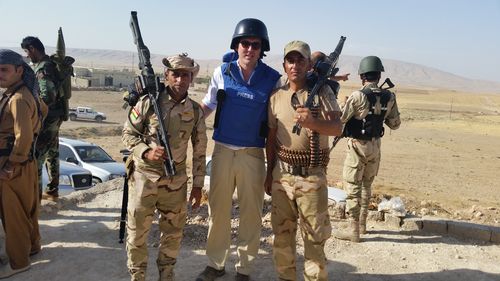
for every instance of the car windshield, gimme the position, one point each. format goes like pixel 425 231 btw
pixel 93 154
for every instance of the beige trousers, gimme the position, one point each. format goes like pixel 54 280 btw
pixel 244 170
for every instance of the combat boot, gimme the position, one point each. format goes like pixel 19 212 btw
pixel 241 277
pixel 362 222
pixel 51 195
pixel 349 234
pixel 210 274
pixel 167 275
pixel 365 202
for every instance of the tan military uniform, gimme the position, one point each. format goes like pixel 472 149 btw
pixel 299 197
pixel 363 156
pixel 150 190
pixel 19 122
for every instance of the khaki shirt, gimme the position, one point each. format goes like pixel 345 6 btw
pixel 281 114
pixel 19 122
pixel 358 106
pixel 139 135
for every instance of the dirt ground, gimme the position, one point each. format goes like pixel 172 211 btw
pixel 442 162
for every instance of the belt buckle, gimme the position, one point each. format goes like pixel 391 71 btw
pixel 299 171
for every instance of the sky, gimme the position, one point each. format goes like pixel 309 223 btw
pixel 457 36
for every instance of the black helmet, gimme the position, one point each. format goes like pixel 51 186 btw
pixel 251 28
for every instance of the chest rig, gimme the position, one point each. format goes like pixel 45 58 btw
pixel 372 126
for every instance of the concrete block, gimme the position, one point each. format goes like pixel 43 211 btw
pixel 412 224
pixel 495 234
pixel 435 226
pixel 375 216
pixel 462 229
pixel 392 221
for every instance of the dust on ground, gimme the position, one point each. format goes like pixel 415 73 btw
pixel 442 162
pixel 80 243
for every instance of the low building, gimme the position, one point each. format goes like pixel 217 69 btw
pixel 97 77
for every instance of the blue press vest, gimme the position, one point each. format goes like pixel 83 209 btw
pixel 243 116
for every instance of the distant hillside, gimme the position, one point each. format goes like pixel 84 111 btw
pixel 401 73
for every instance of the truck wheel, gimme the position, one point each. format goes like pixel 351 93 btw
pixel 95 181
pixel 98 118
pixel 72 117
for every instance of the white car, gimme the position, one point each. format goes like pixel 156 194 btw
pixel 91 157
pixel 71 178
pixel 88 113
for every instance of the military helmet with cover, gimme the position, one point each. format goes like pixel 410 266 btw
pixel 251 28
pixel 370 64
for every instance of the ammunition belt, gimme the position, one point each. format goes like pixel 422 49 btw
pixel 302 158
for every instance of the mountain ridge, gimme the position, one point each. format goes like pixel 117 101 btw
pixel 402 73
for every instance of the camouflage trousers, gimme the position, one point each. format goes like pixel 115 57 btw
pixel 47 152
pixel 145 197
pixel 304 198
pixel 360 168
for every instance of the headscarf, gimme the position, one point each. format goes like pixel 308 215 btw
pixel 29 79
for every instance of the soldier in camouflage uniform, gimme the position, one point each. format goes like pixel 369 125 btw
pixel 48 140
pixel 150 189
pixel 364 115
pixel 298 188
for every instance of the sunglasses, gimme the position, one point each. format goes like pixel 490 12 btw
pixel 246 44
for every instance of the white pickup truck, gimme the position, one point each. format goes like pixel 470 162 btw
pixel 82 112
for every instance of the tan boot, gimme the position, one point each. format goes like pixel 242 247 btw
pixel 365 202
pixel 349 234
pixel 362 222
pixel 167 275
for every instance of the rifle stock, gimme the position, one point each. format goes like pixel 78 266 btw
pixel 150 84
pixel 389 83
pixel 123 215
pixel 324 73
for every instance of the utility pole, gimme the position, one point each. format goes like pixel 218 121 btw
pixel 451 106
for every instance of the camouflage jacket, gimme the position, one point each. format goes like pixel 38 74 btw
pixel 139 135
pixel 46 74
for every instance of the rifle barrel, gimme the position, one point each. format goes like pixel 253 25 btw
pixel 150 84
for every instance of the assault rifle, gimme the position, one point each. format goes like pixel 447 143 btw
pixel 325 69
pixel 390 85
pixel 150 85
